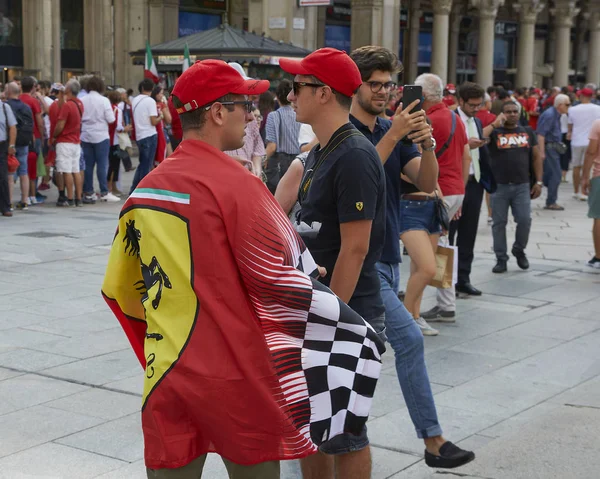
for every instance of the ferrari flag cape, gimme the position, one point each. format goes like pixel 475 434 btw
pixel 244 354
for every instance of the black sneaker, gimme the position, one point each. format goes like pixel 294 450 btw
pixel 594 263
pixel 522 260
pixel 451 456
pixel 437 315
pixel 89 199
pixel 78 203
pixel 71 202
pixel 500 267
pixel 22 206
pixel 62 202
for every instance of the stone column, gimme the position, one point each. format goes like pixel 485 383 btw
pixel 439 44
pixel 414 25
pixel 41 39
pixel 98 38
pixel 488 9
pixel 136 22
pixel 164 20
pixel 563 13
pixel 122 58
pixel 237 12
pixel 593 67
pixel 527 11
pixel 455 21
pixel 390 27
pixel 367 19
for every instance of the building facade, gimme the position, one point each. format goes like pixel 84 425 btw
pixel 527 42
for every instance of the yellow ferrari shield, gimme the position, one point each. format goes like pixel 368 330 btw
pixel 359 205
pixel 154 271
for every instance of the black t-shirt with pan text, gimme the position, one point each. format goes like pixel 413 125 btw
pixel 510 150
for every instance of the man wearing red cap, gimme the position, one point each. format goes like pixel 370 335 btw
pixel 450 99
pixel 581 117
pixel 342 219
pixel 532 107
pixel 244 353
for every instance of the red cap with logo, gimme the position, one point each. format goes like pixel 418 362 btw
pixel 451 88
pixel 331 66
pixel 208 80
pixel 586 92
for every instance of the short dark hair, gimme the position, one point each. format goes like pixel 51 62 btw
pixel 44 84
pixel 372 58
pixel 95 84
pixel 283 90
pixel 129 91
pixel 492 90
pixel 511 103
pixel 146 85
pixel 27 84
pixel 503 94
pixel 266 102
pixel 155 91
pixel 114 97
pixel 469 91
pixel 195 119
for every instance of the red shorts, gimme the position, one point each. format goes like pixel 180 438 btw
pixel 32 165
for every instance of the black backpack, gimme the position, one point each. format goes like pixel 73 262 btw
pixel 24 118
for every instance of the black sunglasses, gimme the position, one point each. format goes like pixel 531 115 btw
pixel 247 104
pixel 376 86
pixel 299 84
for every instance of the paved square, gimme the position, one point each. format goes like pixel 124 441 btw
pixel 517 378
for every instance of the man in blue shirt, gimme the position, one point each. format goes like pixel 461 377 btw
pixel 376 65
pixel 549 141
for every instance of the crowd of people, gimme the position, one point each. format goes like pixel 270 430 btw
pixel 355 170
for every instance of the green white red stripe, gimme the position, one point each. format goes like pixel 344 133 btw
pixel 186 58
pixel 150 70
pixel 161 195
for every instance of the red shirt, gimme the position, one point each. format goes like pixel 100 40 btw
pixel 35 109
pixel 449 100
pixel 532 106
pixel 69 113
pixel 451 178
pixel 175 121
pixel 486 117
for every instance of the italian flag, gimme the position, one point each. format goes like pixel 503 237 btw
pixel 150 70
pixel 186 58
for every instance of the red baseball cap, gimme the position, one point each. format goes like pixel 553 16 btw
pixel 331 66
pixel 208 80
pixel 586 92
pixel 451 88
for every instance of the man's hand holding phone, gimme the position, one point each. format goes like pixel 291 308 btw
pixel 403 122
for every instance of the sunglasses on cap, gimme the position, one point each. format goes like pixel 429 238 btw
pixel 248 105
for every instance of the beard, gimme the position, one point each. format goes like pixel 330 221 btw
pixel 370 108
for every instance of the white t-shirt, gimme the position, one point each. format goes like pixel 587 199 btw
pixel 306 134
pixel 48 102
pixel 143 107
pixel 581 117
pixel 97 114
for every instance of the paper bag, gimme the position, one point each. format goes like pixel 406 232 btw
pixel 445 267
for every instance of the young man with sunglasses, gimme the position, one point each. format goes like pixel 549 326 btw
pixel 377 65
pixel 214 294
pixel 342 219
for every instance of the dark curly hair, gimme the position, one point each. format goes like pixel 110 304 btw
pixel 372 58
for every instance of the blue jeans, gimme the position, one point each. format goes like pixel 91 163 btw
pixel 407 342
pixel 518 198
pixel 147 149
pixel 419 216
pixel 552 175
pixel 21 154
pixel 95 154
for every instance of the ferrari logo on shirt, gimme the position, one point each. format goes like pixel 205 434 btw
pixel 359 205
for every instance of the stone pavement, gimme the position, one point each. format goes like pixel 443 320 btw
pixel 517 378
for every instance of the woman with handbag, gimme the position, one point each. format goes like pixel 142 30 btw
pixel 421 218
pixel 115 153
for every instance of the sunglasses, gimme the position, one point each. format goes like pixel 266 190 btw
pixel 376 86
pixel 248 105
pixel 299 84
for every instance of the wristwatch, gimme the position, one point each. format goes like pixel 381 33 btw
pixel 433 145
pixel 11 146
pixel 539 183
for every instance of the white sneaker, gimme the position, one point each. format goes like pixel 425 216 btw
pixel 425 328
pixel 490 220
pixel 32 201
pixel 28 201
pixel 109 197
pixel 582 197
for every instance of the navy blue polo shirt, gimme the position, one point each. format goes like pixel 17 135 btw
pixel 401 155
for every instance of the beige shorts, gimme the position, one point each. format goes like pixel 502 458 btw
pixel 67 157
pixel 577 156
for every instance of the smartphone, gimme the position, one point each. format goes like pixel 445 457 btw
pixel 410 93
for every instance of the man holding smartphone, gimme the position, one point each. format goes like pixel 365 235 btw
pixel 377 65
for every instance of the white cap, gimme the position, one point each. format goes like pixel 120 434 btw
pixel 238 68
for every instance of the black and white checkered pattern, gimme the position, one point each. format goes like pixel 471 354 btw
pixel 341 360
